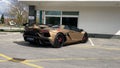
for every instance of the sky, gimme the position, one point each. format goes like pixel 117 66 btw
pixel 4 6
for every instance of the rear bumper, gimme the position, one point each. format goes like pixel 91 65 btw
pixel 36 39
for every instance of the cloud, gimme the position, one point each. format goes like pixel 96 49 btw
pixel 3 7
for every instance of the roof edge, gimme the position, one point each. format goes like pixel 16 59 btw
pixel 71 0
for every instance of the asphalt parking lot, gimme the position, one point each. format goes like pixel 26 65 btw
pixel 96 53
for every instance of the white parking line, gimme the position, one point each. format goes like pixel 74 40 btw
pixel 91 42
pixel 117 33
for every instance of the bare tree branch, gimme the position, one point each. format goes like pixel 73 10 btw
pixel 20 12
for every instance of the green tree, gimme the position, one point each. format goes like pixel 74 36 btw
pixel 2 18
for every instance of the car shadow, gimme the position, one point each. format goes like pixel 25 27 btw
pixel 27 44
pixel 71 44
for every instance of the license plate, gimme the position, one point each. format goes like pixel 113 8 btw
pixel 31 39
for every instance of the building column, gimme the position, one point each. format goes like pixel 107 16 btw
pixel 40 18
pixel 32 14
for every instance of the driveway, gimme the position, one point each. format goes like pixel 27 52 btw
pixel 96 53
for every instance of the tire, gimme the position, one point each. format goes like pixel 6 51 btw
pixel 85 38
pixel 59 40
pixel 31 42
pixel 25 39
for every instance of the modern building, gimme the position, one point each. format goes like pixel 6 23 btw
pixel 98 17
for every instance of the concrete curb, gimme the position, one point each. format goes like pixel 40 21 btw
pixel 107 36
pixel 11 30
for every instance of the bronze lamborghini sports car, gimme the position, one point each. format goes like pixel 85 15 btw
pixel 56 35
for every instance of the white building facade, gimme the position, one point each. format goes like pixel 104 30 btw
pixel 99 17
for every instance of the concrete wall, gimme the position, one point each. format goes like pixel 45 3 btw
pixel 101 20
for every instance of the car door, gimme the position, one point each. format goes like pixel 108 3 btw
pixel 75 34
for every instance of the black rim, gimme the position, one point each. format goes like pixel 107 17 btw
pixel 59 41
pixel 85 38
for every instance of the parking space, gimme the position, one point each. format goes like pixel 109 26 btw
pixel 96 53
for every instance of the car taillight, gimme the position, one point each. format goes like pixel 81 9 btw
pixel 43 31
pixel 58 29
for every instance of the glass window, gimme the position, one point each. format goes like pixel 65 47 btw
pixel 66 27
pixel 75 29
pixel 53 12
pixel 70 13
pixel 53 20
pixel 63 17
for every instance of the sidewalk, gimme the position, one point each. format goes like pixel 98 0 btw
pixel 11 28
